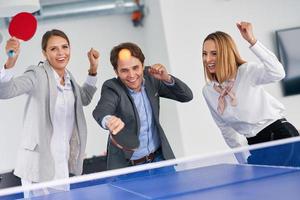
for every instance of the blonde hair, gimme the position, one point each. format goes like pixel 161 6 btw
pixel 228 57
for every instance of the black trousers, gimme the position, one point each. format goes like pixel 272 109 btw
pixel 279 129
pixel 280 155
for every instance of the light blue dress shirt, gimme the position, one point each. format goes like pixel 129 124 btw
pixel 148 136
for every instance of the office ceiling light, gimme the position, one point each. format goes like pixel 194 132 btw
pixel 9 8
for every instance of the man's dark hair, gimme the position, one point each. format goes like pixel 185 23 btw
pixel 133 48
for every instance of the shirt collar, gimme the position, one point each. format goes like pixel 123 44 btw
pixel 58 78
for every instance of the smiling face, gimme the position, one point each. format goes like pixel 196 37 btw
pixel 220 56
pixel 57 52
pixel 209 56
pixel 130 72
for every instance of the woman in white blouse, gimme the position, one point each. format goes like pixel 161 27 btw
pixel 54 128
pixel 234 91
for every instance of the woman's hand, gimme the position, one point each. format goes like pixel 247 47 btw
pixel 93 56
pixel 246 31
pixel 13 44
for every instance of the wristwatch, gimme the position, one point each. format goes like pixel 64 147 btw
pixel 92 74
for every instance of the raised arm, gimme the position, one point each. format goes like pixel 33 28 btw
pixel 14 45
pixel 88 90
pixel 246 31
pixel 270 69
pixel 170 87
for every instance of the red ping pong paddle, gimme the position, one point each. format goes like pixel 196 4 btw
pixel 22 26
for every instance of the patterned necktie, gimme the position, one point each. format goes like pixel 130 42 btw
pixel 224 91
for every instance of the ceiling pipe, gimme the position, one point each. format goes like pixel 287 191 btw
pixel 103 7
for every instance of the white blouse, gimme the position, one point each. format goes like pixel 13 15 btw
pixel 255 109
pixel 63 126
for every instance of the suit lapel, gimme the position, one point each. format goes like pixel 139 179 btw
pixel 52 89
pixel 152 95
pixel 76 93
pixel 125 89
pixel 75 89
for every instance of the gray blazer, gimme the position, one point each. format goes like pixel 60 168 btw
pixel 35 162
pixel 115 100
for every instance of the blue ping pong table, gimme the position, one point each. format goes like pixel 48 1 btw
pixel 223 181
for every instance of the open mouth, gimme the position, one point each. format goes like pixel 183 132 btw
pixel 211 66
pixel 132 82
pixel 62 59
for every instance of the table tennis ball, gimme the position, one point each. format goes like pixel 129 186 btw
pixel 124 54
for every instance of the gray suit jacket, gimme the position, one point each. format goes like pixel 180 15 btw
pixel 35 162
pixel 115 100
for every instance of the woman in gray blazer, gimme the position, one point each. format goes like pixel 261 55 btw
pixel 54 127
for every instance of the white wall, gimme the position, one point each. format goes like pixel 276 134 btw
pixel 186 23
pixel 172 35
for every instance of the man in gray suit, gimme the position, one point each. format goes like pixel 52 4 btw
pixel 129 108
